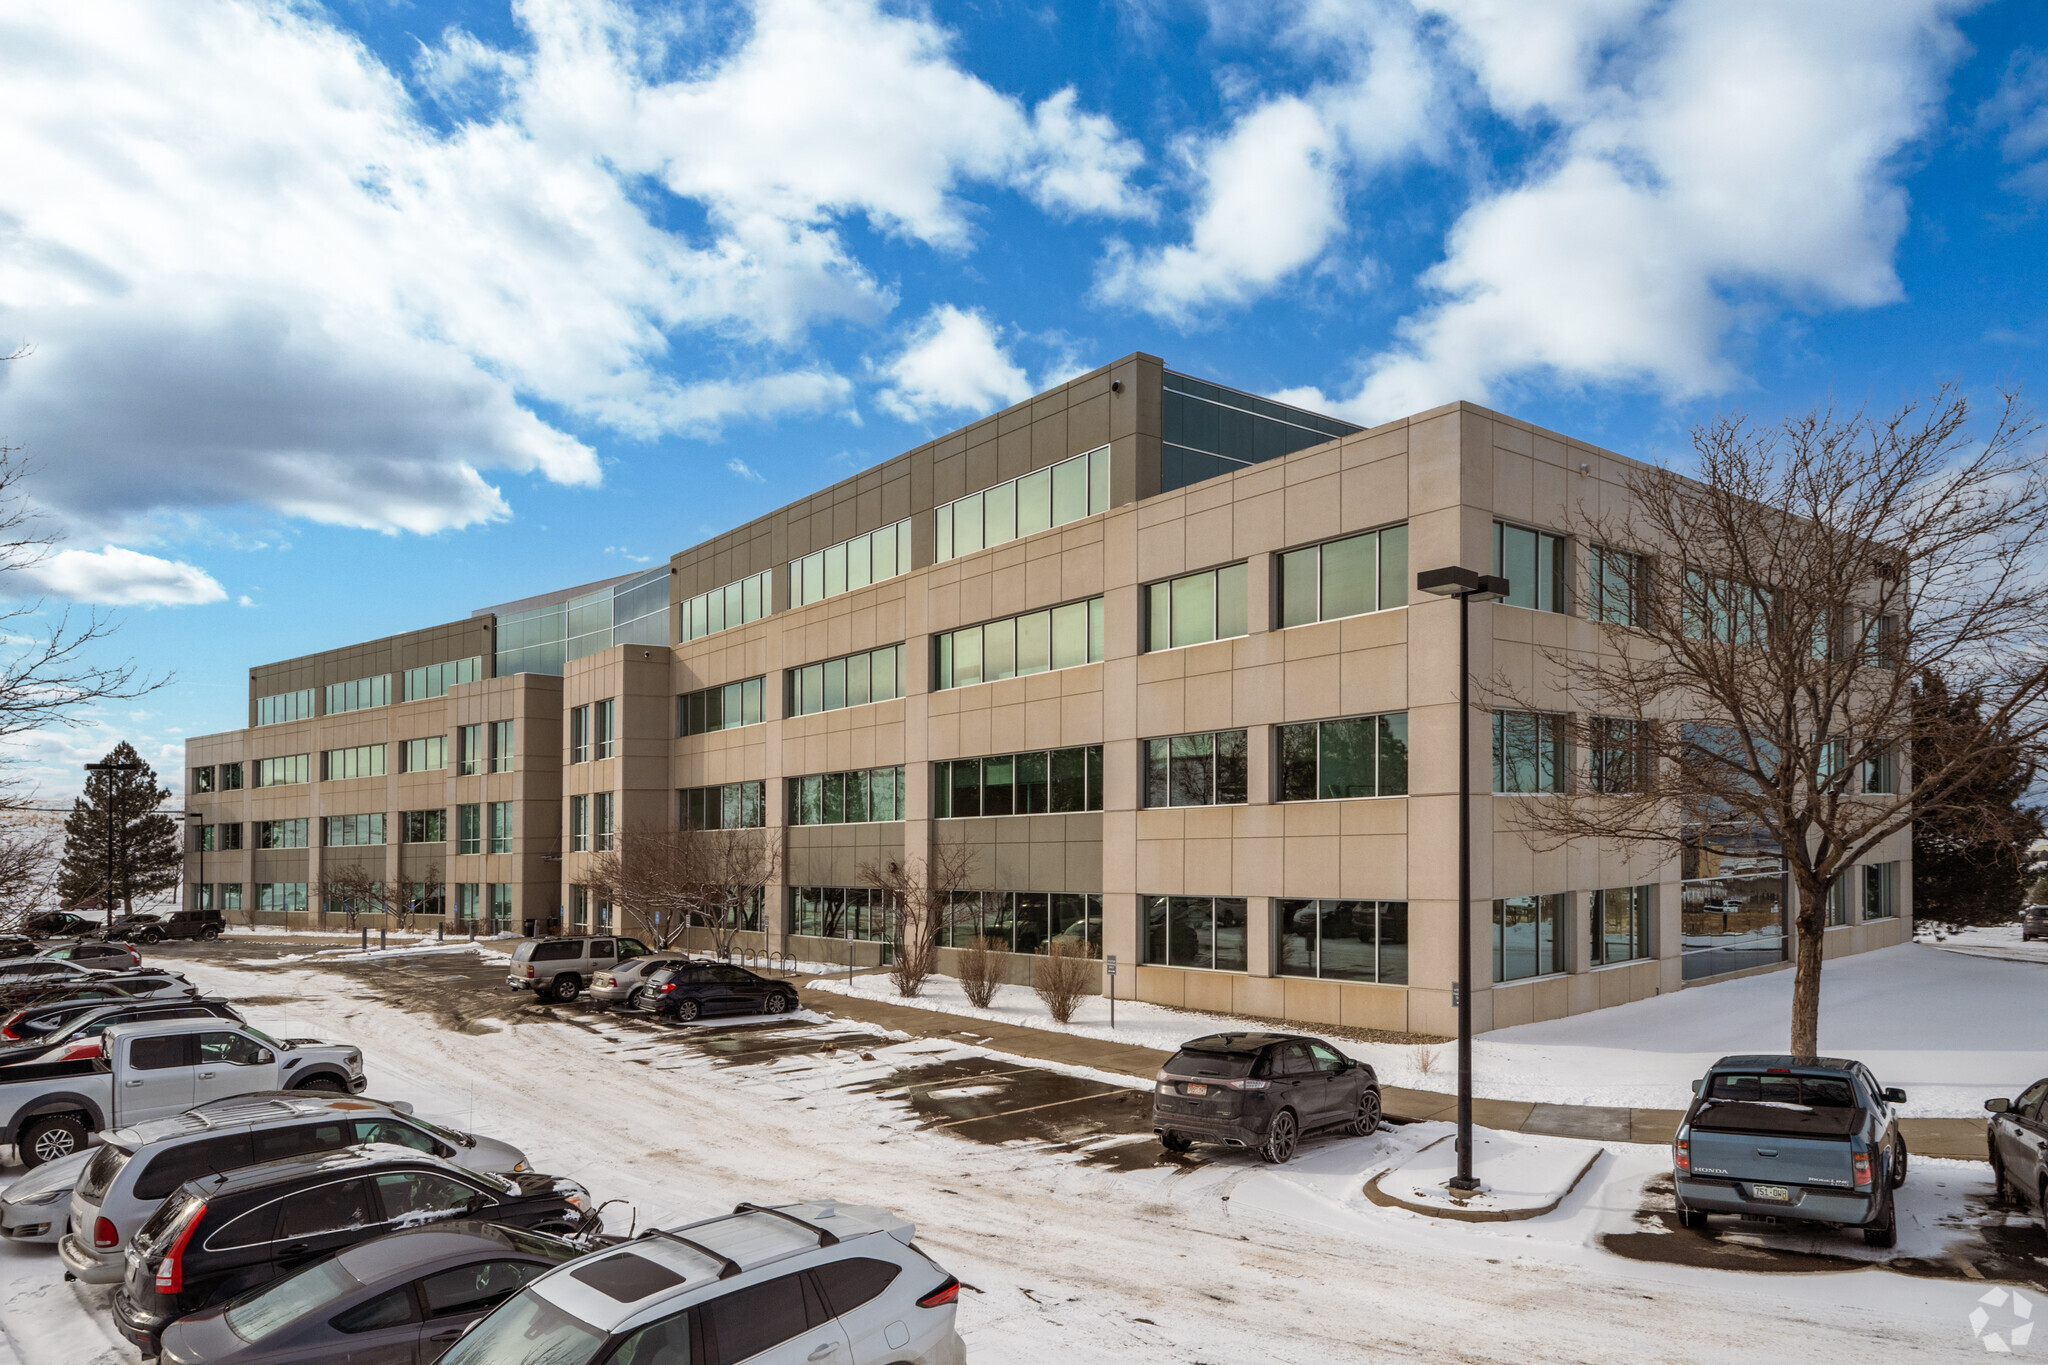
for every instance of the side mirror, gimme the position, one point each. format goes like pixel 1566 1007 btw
pixel 1998 1106
pixel 1894 1095
pixel 264 1056
pixel 1696 1086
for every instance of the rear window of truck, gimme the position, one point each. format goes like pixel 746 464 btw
pixel 1759 1102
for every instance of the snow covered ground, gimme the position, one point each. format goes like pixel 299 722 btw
pixel 1998 940
pixel 1950 1029
pixel 1108 1253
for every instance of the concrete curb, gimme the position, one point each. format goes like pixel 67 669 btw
pixel 1389 1201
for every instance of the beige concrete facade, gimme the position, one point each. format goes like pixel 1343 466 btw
pixel 1447 475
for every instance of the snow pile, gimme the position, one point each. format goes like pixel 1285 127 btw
pixel 1518 1176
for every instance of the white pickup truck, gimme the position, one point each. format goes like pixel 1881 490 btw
pixel 149 1070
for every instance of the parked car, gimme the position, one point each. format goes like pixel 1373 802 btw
pixel 822 1281
pixel 145 983
pixel 405 1296
pixel 17 945
pixel 2018 1138
pixel 216 1238
pixel 1812 1140
pixel 91 952
pixel 142 928
pixel 34 1033
pixel 623 984
pixel 2033 923
pixel 35 1204
pixel 1261 1092
pixel 691 989
pixel 557 968
pixel 152 1070
pixel 62 924
pixel 136 1169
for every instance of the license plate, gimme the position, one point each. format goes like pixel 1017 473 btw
pixel 1776 1193
pixel 1195 1088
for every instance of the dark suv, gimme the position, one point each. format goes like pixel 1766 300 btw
pixel 2033 923
pixel 223 1235
pixel 61 924
pixel 690 989
pixel 203 924
pixel 1261 1092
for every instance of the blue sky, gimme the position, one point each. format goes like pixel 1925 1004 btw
pixel 348 319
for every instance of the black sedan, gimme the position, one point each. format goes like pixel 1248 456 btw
pixel 1261 1092
pixel 61 924
pixel 17 945
pixel 217 1238
pixel 690 990
pixel 410 1291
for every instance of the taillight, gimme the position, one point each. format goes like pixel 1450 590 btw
pixel 103 1235
pixel 7 1029
pixel 1681 1154
pixel 84 1049
pixel 1862 1161
pixel 669 987
pixel 949 1292
pixel 170 1271
pixel 1247 1085
pixel 529 971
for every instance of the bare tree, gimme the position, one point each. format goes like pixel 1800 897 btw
pixel 354 891
pixel 921 897
pixel 664 883
pixel 1762 627
pixel 738 864
pixel 28 866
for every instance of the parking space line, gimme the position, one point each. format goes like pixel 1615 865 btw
pixel 1030 1108
pixel 962 1080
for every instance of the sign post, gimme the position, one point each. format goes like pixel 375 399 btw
pixel 1109 966
pixel 849 952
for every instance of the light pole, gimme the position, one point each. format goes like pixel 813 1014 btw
pixel 199 839
pixel 1468 586
pixel 131 766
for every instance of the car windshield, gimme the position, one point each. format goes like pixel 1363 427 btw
pixel 260 1036
pixel 447 1135
pixel 1759 1102
pixel 527 1330
pixel 1194 1062
pixel 278 1305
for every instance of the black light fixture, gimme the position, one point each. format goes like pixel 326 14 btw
pixel 131 766
pixel 1468 586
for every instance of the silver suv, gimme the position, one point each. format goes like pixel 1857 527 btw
pixel 558 968
pixel 818 1282
pixel 135 1169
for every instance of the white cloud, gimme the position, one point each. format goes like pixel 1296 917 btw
pixel 2019 110
pixel 741 469
pixel 953 361
pixel 119 577
pixel 257 271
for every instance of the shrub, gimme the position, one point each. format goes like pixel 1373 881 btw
pixel 980 972
pixel 1062 978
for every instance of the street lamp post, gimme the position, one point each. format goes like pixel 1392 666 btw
pixel 1468 586
pixel 132 766
pixel 199 840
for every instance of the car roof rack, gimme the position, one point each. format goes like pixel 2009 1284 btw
pixel 728 1267
pixel 826 1237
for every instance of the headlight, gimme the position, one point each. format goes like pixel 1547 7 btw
pixel 36 1201
pixel 521 1166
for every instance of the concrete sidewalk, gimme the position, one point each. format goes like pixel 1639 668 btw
pixel 1958 1138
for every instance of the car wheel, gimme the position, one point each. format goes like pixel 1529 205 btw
pixel 565 987
pixel 1176 1142
pixel 638 999
pixel 1899 1156
pixel 1884 1233
pixel 1691 1218
pixel 1368 1121
pixel 2001 1192
pixel 326 1085
pixel 778 1003
pixel 687 1011
pixel 150 937
pixel 1281 1138
pixel 209 933
pixel 49 1139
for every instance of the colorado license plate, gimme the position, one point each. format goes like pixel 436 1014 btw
pixel 1776 1193
pixel 1195 1088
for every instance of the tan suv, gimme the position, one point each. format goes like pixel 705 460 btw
pixel 557 968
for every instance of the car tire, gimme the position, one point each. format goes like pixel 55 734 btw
pixel 778 1003
pixel 325 1085
pixel 149 938
pixel 49 1139
pixel 1884 1233
pixel 1691 1218
pixel 1899 1160
pixel 638 999
pixel 1369 1114
pixel 209 933
pixel 687 1011
pixel 1281 1139
pixel 564 987
pixel 1176 1142
pixel 2001 1191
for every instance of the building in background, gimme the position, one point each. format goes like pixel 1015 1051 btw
pixel 1147 645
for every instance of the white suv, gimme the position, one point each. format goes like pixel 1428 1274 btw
pixel 822 1283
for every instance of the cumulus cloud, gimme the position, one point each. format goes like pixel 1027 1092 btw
pixel 2019 113
pixel 260 267
pixel 118 577
pixel 953 361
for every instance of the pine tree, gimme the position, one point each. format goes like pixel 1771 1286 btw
pixel 1972 857
pixel 145 853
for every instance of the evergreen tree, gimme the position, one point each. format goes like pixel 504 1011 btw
pixel 1972 856
pixel 144 857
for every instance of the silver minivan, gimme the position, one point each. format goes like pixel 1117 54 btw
pixel 136 1168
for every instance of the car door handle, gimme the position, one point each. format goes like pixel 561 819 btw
pixel 451 1334
pixel 136 1082
pixel 292 1249
pixel 1767 1151
pixel 207 1075
pixel 827 1349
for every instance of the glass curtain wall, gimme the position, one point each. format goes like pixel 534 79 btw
pixel 1211 430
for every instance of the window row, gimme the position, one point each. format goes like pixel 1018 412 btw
pixel 359 694
pixel 851 564
pixel 850 798
pixel 1038 501
pixel 222 777
pixel 281 833
pixel 1330 940
pixel 285 771
pixel 1025 921
pixel 343 831
pixel 735 604
pixel 1334 760
pixel 478 747
pixel 1532 754
pixel 217 896
pixel 220 838
pixel 1347 577
pixel 1043 782
pixel 1036 642
pixel 280 897
pixel 722 708
pixel 361 760
pixel 735 805
pixel 476 902
pixel 860 912
pixel 593 731
pixel 472 821
pixel 1531 934
pixel 285 706
pixel 855 680
pixel 1196 608
pixel 590 823
pixel 1210 769
pixel 1874 886
pixel 427 754
pixel 434 680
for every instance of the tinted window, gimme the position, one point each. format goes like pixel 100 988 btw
pixel 849 1284
pixel 660 1343
pixel 748 1321
pixel 419 1195
pixel 100 1172
pixel 335 1207
pixel 602 948
pixel 253 1229
pixel 1762 1103
pixel 734 975
pixel 208 1156
pixel 1293 1058
pixel 390 1130
pixel 557 952
pixel 1326 1057
pixel 473 1288
pixel 1225 1064
pixel 2031 1100
pixel 298 1140
pixel 393 1309
pixel 228 1049
pixel 281 1304
pixel 159 1054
